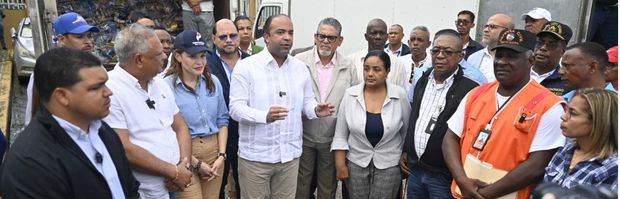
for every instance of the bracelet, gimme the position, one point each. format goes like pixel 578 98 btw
pixel 177 173
pixel 197 167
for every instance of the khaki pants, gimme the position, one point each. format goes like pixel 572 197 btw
pixel 205 149
pixel 316 155
pixel 264 180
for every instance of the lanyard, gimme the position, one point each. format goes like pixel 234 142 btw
pixel 499 109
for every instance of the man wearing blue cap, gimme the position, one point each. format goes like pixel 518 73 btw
pixel 71 31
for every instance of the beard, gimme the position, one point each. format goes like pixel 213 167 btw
pixel 325 53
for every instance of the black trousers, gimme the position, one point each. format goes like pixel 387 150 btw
pixel 232 146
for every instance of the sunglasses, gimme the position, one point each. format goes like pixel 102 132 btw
pixel 461 22
pixel 232 36
pixel 445 52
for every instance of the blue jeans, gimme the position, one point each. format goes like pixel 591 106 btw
pixel 423 184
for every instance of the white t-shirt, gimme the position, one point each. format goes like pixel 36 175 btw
pixel 539 78
pixel 548 134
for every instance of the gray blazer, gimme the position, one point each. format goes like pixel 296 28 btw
pixel 350 128
pixel 321 130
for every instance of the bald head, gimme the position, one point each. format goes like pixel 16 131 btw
pixel 376 34
pixel 378 23
pixel 146 22
pixel 223 23
pixel 494 26
pixel 226 37
pixel 504 20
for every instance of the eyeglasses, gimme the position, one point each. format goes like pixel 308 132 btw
pixel 570 112
pixel 232 36
pixel 322 37
pixel 550 44
pixel 461 22
pixel 493 26
pixel 446 52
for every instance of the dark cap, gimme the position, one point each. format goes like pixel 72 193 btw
pixel 517 40
pixel 190 42
pixel 557 29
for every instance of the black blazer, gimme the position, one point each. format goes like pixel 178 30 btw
pixel 405 50
pixel 44 162
pixel 217 69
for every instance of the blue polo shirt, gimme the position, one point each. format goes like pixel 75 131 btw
pixel 568 96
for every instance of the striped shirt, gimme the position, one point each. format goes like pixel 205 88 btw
pixel 596 171
pixel 433 102
pixel 258 83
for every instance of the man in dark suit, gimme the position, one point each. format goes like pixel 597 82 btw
pixel 222 62
pixel 67 151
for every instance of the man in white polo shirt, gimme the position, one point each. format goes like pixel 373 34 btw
pixel 144 114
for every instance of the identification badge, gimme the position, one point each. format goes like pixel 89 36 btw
pixel 431 125
pixel 482 139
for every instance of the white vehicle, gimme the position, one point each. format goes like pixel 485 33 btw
pixel 23 48
pixel 434 14
pixel 355 15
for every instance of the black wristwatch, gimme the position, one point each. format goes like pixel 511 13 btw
pixel 222 155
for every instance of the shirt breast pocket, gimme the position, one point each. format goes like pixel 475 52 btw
pixel 524 120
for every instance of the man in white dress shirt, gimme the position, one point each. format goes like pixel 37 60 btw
pixel 376 36
pixel 269 92
pixel 483 59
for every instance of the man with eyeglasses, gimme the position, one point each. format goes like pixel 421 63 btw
pixel 550 45
pixel 395 45
pixel 376 36
pixel 503 134
pixel 464 23
pixel 326 65
pixel 71 30
pixel 222 62
pixel 483 59
pixel 438 94
pixel 535 19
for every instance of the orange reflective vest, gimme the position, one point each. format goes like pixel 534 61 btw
pixel 512 130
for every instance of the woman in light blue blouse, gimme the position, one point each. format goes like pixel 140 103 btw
pixel 199 96
pixel 590 156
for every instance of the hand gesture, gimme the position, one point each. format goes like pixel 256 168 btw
pixel 277 113
pixel 324 109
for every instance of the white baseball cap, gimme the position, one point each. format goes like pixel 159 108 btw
pixel 538 13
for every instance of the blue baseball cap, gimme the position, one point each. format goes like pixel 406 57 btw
pixel 190 42
pixel 72 23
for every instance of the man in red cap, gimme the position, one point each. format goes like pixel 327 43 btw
pixel 611 74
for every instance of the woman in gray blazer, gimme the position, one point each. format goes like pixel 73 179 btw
pixel 370 131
